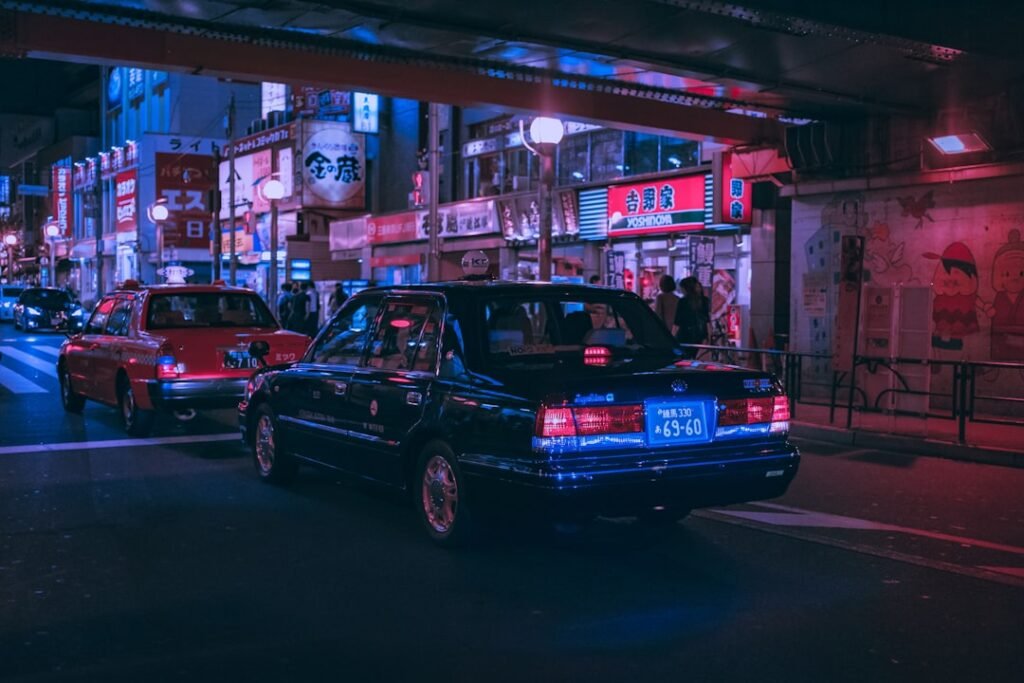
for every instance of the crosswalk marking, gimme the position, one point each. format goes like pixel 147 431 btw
pixel 17 384
pixel 39 364
pixel 48 350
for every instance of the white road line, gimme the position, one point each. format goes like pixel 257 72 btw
pixel 117 443
pixel 17 384
pixel 808 518
pixel 48 350
pixel 44 366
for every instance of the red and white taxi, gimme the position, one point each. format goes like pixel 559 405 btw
pixel 170 347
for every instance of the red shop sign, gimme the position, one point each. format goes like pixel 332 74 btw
pixel 125 201
pixel 656 206
pixel 399 227
pixel 733 196
pixel 185 181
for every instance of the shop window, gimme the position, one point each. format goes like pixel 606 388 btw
pixel 574 160
pixel 641 153
pixel 606 155
pixel 677 153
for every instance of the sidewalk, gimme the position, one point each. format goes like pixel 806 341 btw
pixel 986 443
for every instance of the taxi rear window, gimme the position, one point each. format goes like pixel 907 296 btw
pixel 207 309
pixel 532 329
pixel 44 297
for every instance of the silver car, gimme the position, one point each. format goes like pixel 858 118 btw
pixel 8 297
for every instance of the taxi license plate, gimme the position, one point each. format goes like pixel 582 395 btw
pixel 238 360
pixel 677 422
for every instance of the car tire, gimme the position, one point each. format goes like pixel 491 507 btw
pixel 135 421
pixel 439 492
pixel 72 401
pixel 662 517
pixel 273 464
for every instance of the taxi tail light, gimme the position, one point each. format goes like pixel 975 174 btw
pixel 609 420
pixel 749 411
pixel 597 355
pixel 166 364
pixel 555 421
pixel 780 410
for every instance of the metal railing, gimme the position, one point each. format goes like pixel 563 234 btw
pixel 918 387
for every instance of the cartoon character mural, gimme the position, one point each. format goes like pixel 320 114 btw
pixel 884 262
pixel 1007 310
pixel 955 285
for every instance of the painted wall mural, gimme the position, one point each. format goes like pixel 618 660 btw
pixel 962 241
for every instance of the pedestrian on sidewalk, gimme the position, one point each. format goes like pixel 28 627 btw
pixel 297 309
pixel 693 316
pixel 666 302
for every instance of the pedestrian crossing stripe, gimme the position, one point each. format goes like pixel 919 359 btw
pixel 17 384
pixel 16 379
pixel 45 366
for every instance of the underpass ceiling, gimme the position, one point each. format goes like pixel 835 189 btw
pixel 782 57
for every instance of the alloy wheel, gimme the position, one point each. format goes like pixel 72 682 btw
pixel 440 494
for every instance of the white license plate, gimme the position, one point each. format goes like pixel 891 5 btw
pixel 673 422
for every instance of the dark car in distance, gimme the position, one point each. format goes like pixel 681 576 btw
pixel 47 308
pixel 549 398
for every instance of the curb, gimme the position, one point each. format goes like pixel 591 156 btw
pixel 907 444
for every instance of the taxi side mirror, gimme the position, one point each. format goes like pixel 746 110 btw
pixel 259 350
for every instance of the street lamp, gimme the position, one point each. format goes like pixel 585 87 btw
pixel 158 213
pixel 273 190
pixel 546 133
pixel 10 241
pixel 52 232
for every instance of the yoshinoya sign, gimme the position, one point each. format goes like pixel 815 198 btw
pixel 733 196
pixel 656 206
pixel 333 166
pixel 125 201
pixel 62 206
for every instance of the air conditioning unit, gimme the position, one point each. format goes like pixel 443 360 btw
pixel 828 148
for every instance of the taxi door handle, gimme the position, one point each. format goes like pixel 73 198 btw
pixel 340 388
pixel 414 398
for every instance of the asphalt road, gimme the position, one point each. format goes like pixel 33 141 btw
pixel 168 560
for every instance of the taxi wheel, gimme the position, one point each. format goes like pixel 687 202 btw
pixel 136 421
pixel 72 401
pixel 272 465
pixel 440 493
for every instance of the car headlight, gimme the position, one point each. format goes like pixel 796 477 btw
pixel 7 304
pixel 77 313
pixel 32 310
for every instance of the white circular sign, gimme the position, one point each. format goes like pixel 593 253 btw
pixel 333 166
pixel 475 263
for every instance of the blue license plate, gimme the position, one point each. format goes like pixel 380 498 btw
pixel 677 422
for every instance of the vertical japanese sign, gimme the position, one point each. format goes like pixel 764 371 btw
pixel 658 206
pixel 62 206
pixel 702 261
pixel 733 203
pixel 136 84
pixel 185 181
pixel 333 166
pixel 261 170
pixel 615 269
pixel 851 276
pixel 125 201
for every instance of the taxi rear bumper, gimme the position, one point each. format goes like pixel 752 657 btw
pixel 180 394
pixel 624 486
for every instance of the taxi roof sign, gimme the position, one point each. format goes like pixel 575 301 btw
pixel 475 263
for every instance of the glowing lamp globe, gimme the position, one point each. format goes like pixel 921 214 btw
pixel 10 239
pixel 546 131
pixel 52 230
pixel 159 212
pixel 273 189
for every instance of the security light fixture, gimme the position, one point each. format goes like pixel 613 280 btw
pixel 959 143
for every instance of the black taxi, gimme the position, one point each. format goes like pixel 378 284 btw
pixel 520 396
